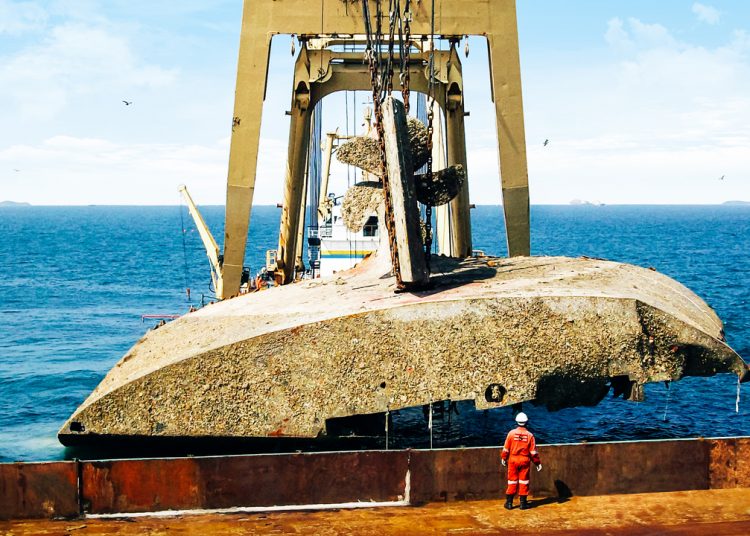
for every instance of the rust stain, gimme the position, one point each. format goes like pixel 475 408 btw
pixel 451 475
pixel 686 513
pixel 32 490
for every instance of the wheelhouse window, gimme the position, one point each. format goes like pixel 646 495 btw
pixel 371 227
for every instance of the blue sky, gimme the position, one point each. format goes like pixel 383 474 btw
pixel 642 101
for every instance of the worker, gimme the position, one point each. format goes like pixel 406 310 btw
pixel 518 453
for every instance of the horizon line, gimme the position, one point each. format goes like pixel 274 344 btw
pixel 23 204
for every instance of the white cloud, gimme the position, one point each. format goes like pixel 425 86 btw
pixel 614 171
pixel 635 33
pixel 616 35
pixel 707 14
pixel 654 35
pixel 19 17
pixel 96 171
pixel 657 121
pixel 73 60
pixel 654 118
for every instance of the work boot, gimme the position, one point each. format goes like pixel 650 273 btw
pixel 524 503
pixel 509 502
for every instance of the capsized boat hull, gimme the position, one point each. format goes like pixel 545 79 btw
pixel 280 363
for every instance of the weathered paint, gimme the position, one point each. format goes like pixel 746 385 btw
pixel 583 469
pixel 729 463
pixel 230 481
pixel 693 513
pixel 626 467
pixel 141 485
pixel 455 474
pixel 326 478
pixel 129 486
pixel 36 490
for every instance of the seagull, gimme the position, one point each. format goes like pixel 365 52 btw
pixel 722 177
pixel 127 103
pixel 546 142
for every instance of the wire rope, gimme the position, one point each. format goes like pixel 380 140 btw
pixel 186 268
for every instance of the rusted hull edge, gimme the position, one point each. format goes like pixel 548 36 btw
pixel 67 489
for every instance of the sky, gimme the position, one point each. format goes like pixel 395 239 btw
pixel 642 102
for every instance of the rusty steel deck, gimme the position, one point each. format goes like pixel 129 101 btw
pixel 337 479
pixel 715 512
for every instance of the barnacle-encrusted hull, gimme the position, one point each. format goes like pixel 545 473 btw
pixel 554 330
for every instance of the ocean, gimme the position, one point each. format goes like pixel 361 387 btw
pixel 75 282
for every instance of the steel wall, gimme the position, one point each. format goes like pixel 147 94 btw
pixel 127 486
pixel 628 467
pixel 228 481
pixel 729 465
pixel 38 490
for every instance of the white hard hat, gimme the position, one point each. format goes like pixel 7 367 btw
pixel 522 418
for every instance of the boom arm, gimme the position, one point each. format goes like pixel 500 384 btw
pixel 327 152
pixel 212 249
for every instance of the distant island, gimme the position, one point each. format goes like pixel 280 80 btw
pixel 587 203
pixel 736 203
pixel 13 204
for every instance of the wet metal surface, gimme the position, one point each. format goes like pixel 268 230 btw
pixel 225 482
pixel 434 476
pixel 416 477
pixel 627 467
pixel 716 512
pixel 730 463
pixel 30 490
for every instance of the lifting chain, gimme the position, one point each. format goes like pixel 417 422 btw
pixel 372 56
pixel 406 56
pixel 430 131
pixel 381 79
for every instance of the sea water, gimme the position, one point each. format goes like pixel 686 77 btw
pixel 76 281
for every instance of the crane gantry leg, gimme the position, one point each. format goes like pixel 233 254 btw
pixel 511 136
pixel 252 69
pixel 311 19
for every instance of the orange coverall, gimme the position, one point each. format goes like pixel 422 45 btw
pixel 519 451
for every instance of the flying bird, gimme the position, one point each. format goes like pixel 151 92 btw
pixel 722 177
pixel 546 142
pixel 127 103
pixel 16 170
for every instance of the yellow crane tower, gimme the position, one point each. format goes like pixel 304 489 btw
pixel 321 69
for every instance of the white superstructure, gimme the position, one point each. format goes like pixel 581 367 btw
pixel 341 249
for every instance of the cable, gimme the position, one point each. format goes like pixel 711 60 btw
pixel 184 252
pixel 429 423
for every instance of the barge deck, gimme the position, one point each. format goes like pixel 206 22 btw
pixel 717 512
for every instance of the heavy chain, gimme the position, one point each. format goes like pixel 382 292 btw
pixel 430 130
pixel 428 208
pixel 393 18
pixel 372 55
pixel 406 56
